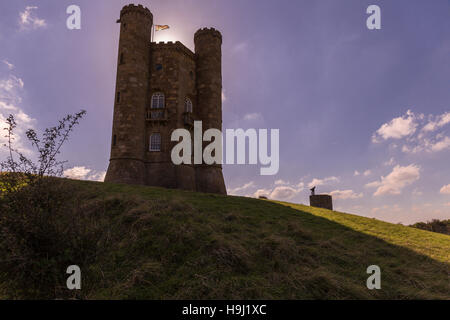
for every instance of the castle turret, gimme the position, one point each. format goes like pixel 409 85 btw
pixel 208 43
pixel 128 145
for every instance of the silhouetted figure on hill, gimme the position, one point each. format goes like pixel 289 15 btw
pixel 313 191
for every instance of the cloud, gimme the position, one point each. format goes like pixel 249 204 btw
pixel 367 173
pixel 83 173
pixel 240 48
pixel 374 184
pixel 29 20
pixel 394 182
pixel 437 122
pixel 224 97
pixel 262 193
pixel 390 162
pixel 441 145
pixel 405 128
pixel 356 173
pixel 281 182
pixel 237 190
pixel 280 192
pixel 320 182
pixel 445 189
pixel 253 116
pixel 430 145
pixel 8 64
pixel 397 128
pixel 283 193
pixel 11 89
pixel 346 194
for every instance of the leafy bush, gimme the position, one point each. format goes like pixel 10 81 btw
pixel 434 225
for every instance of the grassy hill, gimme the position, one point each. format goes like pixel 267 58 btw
pixel 155 243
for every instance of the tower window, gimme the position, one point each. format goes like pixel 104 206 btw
pixel 155 142
pixel 188 105
pixel 114 140
pixel 118 96
pixel 158 100
pixel 121 60
pixel 158 67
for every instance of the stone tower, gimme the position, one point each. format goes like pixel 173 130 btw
pixel 161 87
pixel 127 162
pixel 208 43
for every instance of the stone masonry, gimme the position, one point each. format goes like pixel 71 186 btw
pixel 172 70
pixel 321 201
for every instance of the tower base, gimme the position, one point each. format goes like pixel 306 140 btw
pixel 209 179
pixel 126 171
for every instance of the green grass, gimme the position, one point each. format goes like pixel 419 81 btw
pixel 171 244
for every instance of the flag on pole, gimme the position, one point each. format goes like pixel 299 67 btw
pixel 159 27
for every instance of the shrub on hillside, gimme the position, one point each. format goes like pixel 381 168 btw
pixel 434 225
pixel 43 229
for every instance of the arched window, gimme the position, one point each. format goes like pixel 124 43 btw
pixel 114 142
pixel 155 142
pixel 158 100
pixel 121 60
pixel 188 105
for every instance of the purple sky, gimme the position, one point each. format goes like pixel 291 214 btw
pixel 363 114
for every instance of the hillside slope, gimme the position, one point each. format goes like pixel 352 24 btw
pixel 171 244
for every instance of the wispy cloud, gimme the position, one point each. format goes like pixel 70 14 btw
pixel 346 194
pixel 395 181
pixel 445 189
pixel 11 89
pixel 29 20
pixel 320 182
pixel 416 132
pixel 83 173
pixel 224 97
pixel 367 173
pixel 239 189
pixel 390 162
pixel 282 193
pixel 240 48
pixel 435 123
pixel 8 64
pixel 253 116
pixel 281 190
pixel 397 128
pixel 281 182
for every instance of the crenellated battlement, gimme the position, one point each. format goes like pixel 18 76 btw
pixel 135 9
pixel 208 31
pixel 175 46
